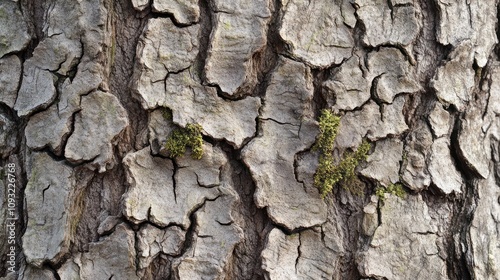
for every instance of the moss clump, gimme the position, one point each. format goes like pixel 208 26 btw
pixel 328 173
pixel 394 189
pixel 329 127
pixel 181 138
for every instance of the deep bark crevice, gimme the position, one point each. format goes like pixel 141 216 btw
pixel 459 262
pixel 319 101
pixel 246 262
pixel 127 30
pixel 206 27
pixel 160 268
pixel 350 215
pixel 433 54
pixel 101 198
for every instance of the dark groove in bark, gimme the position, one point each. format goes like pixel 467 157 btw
pixel 102 198
pixel 65 137
pixel 136 248
pixel 460 263
pixel 319 101
pixel 34 13
pixel 206 29
pixel 159 268
pixel 432 52
pixel 127 30
pixel 496 50
pixel 53 270
pixel 174 181
pixel 267 59
pixel 246 261
pixel 153 14
pixel 350 210
pixel 86 230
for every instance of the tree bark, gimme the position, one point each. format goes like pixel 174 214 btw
pixel 94 95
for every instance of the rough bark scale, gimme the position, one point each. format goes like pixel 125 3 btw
pixel 84 91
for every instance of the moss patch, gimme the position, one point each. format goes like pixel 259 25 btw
pixel 329 127
pixel 181 138
pixel 394 189
pixel 328 173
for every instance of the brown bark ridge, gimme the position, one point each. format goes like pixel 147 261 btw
pixel 91 91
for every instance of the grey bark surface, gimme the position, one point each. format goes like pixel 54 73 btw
pixel 90 91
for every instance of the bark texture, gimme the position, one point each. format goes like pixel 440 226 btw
pixel 90 91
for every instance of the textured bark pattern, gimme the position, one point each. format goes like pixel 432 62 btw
pixel 91 89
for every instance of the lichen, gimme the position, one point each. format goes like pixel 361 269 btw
pixel 181 138
pixel 328 173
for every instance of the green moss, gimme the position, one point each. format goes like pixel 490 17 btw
pixel 329 127
pixel 397 190
pixel 394 189
pixel 181 138
pixel 380 193
pixel 405 157
pixel 328 173
pixel 167 114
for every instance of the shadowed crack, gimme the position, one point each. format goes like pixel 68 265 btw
pixel 299 254
pixel 43 193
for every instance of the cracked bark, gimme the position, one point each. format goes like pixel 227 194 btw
pixel 420 79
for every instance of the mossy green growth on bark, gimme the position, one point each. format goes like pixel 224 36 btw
pixel 328 173
pixel 181 138
pixel 394 189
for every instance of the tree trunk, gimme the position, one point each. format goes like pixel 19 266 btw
pixel 106 105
